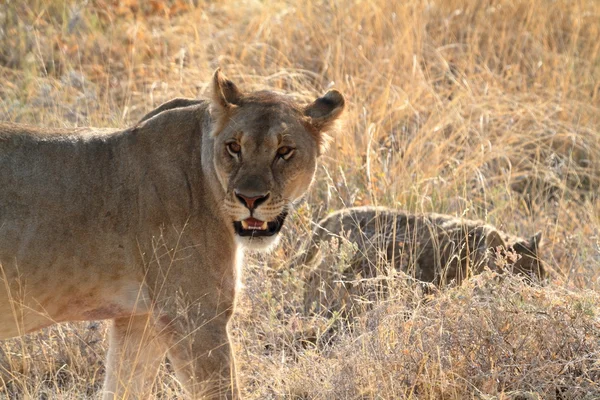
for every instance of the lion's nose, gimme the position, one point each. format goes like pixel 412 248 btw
pixel 251 202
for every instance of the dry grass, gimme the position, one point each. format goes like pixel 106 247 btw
pixel 487 109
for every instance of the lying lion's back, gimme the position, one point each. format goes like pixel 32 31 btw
pixel 426 241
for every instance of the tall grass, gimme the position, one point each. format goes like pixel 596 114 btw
pixel 487 109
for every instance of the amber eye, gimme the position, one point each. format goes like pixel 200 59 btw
pixel 285 152
pixel 234 148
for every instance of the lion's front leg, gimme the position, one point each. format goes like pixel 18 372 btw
pixel 134 356
pixel 193 301
pixel 201 354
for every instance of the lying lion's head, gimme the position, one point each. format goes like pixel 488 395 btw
pixel 265 154
pixel 528 261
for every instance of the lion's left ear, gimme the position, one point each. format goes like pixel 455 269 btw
pixel 324 111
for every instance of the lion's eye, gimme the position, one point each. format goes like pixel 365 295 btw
pixel 234 148
pixel 285 152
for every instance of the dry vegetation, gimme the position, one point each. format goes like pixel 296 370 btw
pixel 487 109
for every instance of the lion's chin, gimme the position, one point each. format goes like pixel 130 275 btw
pixel 258 244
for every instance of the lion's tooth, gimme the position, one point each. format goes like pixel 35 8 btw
pixel 244 224
pixel 264 226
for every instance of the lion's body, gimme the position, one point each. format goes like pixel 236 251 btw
pixel 138 226
pixel 361 243
pixel 79 210
pixel 90 223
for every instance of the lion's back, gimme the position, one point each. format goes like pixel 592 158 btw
pixel 364 242
pixel 60 219
pixel 55 184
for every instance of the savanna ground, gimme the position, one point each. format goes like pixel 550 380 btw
pixel 485 109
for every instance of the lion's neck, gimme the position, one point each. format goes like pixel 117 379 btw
pixel 178 179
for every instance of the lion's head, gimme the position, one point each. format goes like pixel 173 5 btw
pixel 265 154
pixel 528 262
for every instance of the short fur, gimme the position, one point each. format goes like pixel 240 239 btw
pixel 429 247
pixel 138 226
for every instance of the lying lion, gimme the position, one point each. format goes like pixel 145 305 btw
pixel 145 226
pixel 351 247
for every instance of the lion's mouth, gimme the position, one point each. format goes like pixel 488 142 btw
pixel 255 227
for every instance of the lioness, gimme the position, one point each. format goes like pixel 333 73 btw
pixel 146 226
pixel 429 247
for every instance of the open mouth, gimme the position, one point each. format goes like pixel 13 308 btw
pixel 255 227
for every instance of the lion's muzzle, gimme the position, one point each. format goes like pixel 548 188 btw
pixel 252 227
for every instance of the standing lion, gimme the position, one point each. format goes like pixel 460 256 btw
pixel 146 226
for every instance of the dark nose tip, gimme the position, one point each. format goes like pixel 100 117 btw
pixel 252 201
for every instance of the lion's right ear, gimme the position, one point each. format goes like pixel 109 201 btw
pixel 224 92
pixel 225 97
pixel 493 240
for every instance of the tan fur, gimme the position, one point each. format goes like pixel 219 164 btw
pixel 138 226
pixel 351 246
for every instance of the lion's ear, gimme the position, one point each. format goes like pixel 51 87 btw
pixel 493 240
pixel 324 111
pixel 225 93
pixel 535 241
